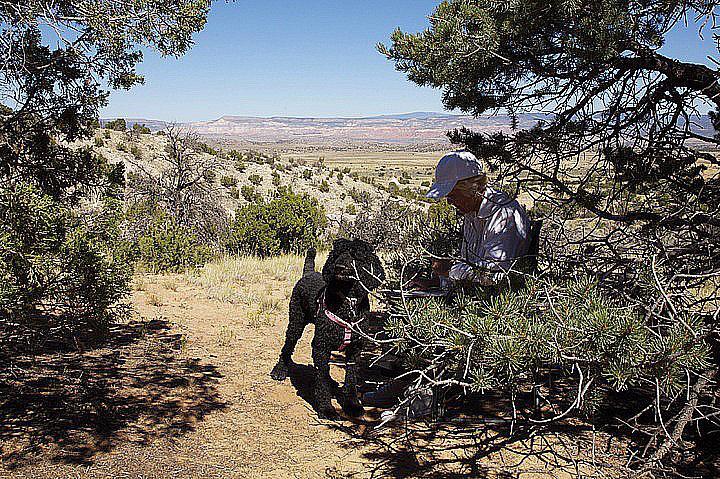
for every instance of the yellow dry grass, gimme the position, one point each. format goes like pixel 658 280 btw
pixel 236 278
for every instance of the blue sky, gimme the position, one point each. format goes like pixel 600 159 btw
pixel 300 58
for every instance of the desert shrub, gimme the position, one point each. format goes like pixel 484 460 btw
pixel 234 155
pixel 346 170
pixel 168 246
pixel 205 148
pixel 340 177
pixel 275 179
pixel 350 209
pixel 359 196
pixel 259 157
pixel 288 223
pixel 209 175
pixel 122 147
pixel 228 181
pixel 324 186
pixel 99 142
pixel 307 174
pixel 57 265
pixel 250 194
pixel 135 152
pixel 234 192
pixel 106 134
pixel 255 179
pixel 141 129
pixel 118 124
pixel 425 184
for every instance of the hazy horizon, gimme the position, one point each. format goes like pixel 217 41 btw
pixel 303 60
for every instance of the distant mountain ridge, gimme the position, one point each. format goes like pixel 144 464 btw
pixel 405 128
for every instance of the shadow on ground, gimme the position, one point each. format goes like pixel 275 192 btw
pixel 133 388
pixel 473 439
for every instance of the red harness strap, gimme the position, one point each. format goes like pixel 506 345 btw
pixel 322 308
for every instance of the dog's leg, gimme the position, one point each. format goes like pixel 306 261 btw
pixel 296 326
pixel 351 404
pixel 323 394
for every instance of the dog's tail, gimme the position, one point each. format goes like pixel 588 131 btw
pixel 309 266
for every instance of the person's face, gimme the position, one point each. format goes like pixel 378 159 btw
pixel 462 200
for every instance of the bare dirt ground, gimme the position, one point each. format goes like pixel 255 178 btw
pixel 182 391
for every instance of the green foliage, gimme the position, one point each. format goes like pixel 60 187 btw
pixel 168 246
pixel 228 181
pixel 59 260
pixel 99 142
pixel 324 186
pixel 287 223
pixel 209 175
pixel 57 264
pixel 117 124
pixel 255 179
pixel 107 135
pixel 340 177
pixel 141 129
pixel 234 192
pixel 250 194
pixel 275 179
pixel 307 174
pixel 562 325
pixel 350 209
pixel 135 152
pixel 205 148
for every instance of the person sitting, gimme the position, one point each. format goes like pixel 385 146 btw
pixel 495 227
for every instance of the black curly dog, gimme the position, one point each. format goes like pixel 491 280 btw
pixel 351 270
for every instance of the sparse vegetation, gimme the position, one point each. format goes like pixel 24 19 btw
pixel 250 194
pixel 118 124
pixel 228 181
pixel 139 129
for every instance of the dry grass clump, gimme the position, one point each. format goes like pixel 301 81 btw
pixel 248 279
pixel 154 300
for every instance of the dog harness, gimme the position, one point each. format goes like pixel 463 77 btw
pixel 322 308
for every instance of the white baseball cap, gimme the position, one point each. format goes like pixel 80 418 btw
pixel 452 168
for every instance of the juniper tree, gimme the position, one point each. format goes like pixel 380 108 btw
pixel 56 55
pixel 616 166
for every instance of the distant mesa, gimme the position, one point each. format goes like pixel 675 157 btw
pixel 406 128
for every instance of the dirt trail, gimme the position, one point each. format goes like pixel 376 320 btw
pixel 184 393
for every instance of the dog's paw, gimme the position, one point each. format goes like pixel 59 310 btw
pixel 353 409
pixel 279 372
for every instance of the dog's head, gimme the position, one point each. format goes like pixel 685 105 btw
pixel 352 261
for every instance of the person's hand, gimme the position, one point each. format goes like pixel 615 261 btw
pixel 424 284
pixel 441 267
